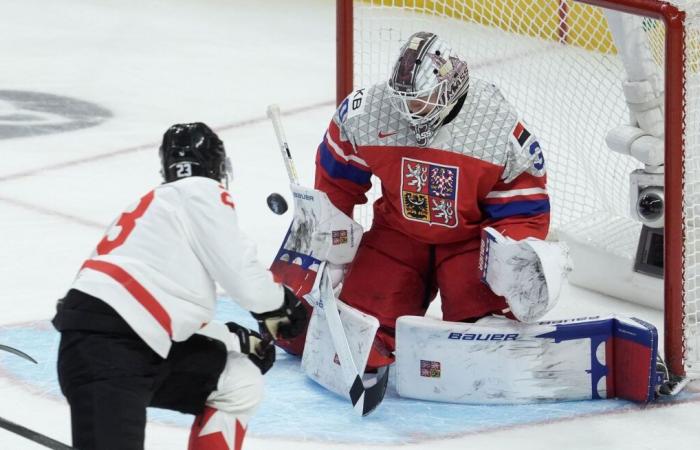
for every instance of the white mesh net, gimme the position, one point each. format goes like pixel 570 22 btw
pixel 557 63
pixel 691 189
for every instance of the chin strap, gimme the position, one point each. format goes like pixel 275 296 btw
pixel 424 133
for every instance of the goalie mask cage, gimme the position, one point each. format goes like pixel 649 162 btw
pixel 556 61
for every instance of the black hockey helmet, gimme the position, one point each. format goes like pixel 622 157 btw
pixel 193 149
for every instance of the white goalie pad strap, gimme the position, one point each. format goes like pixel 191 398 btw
pixel 528 273
pixel 320 362
pixel 320 230
pixel 501 361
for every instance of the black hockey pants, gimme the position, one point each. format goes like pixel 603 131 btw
pixel 109 377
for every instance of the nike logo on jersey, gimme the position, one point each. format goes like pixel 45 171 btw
pixel 382 134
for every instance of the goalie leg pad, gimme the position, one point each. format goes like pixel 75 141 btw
pixel 320 361
pixel 500 361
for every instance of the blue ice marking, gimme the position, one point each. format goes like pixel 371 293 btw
pixel 297 408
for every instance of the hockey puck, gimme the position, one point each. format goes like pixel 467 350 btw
pixel 277 203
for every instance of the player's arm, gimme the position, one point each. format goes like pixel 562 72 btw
pixel 231 259
pixel 515 260
pixel 518 206
pixel 340 171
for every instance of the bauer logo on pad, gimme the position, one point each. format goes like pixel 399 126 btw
pixel 429 192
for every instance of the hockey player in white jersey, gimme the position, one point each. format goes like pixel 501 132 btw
pixel 136 326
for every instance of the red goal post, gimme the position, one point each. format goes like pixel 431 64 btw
pixel 554 34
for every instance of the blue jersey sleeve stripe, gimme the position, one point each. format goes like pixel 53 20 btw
pixel 522 208
pixel 337 169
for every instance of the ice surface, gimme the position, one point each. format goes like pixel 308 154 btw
pixel 141 66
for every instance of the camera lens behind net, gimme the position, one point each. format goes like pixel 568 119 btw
pixel 650 206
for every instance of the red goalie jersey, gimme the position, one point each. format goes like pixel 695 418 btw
pixel 483 168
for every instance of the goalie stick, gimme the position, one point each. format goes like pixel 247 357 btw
pixel 273 113
pixel 365 399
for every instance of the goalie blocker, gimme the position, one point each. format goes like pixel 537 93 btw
pixel 319 232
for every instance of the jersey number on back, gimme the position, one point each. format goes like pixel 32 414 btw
pixel 126 222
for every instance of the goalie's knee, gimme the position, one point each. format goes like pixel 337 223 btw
pixel 381 353
pixel 240 387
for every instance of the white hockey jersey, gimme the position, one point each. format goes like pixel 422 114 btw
pixel 158 263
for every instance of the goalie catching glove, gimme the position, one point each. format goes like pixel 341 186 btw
pixel 286 322
pixel 528 273
pixel 259 350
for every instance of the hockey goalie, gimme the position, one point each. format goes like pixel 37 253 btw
pixel 464 212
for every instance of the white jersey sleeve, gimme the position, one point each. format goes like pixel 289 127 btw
pixel 158 263
pixel 226 252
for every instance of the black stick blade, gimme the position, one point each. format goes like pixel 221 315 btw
pixel 375 394
pixel 19 353
pixel 369 397
pixel 357 390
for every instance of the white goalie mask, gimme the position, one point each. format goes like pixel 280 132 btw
pixel 428 80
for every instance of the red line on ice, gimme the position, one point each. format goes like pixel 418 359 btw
pixel 116 153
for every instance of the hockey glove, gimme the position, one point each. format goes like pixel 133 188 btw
pixel 259 350
pixel 286 322
pixel 529 273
